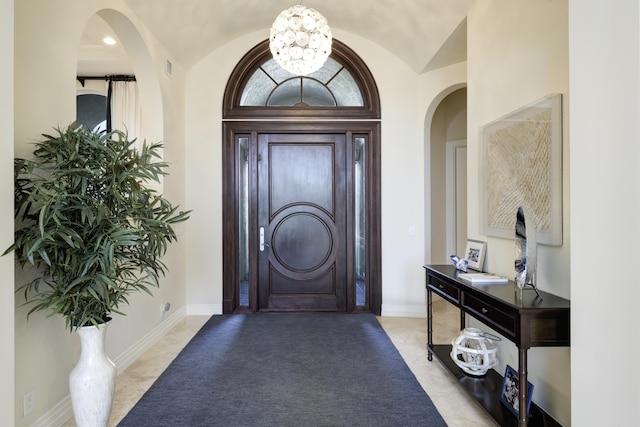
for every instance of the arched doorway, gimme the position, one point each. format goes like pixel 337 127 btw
pixel 448 168
pixel 137 62
pixel 301 173
pixel 445 181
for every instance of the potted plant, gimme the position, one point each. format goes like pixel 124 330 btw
pixel 95 231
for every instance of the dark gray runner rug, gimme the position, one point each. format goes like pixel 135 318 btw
pixel 287 370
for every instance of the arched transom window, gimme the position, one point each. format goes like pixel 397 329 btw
pixel 330 86
pixel 343 87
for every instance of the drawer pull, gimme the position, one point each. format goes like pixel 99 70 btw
pixel 441 286
pixel 484 310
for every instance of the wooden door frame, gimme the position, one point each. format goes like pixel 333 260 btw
pixel 231 215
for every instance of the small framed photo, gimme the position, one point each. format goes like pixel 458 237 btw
pixel 475 254
pixel 510 395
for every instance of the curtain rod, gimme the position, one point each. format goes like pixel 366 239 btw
pixel 113 78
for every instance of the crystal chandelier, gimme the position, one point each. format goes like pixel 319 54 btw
pixel 300 40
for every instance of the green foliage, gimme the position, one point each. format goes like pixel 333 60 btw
pixel 89 224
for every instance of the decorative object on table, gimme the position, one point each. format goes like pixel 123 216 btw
pixel 510 395
pixel 525 251
pixel 474 351
pixel 94 232
pixel 474 254
pixel 300 40
pixel 460 263
pixel 521 164
pixel 483 278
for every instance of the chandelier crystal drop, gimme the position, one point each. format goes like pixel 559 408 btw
pixel 300 40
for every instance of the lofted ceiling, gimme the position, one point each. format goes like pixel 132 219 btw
pixel 425 34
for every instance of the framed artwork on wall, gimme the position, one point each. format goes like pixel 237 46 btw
pixel 521 165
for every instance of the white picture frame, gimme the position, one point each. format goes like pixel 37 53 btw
pixel 474 254
pixel 521 165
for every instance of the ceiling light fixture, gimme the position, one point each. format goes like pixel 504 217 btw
pixel 300 40
pixel 109 40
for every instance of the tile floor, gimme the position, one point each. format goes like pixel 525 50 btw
pixel 409 335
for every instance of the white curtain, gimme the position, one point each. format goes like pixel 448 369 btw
pixel 125 109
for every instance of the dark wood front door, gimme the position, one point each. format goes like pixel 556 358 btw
pixel 298 182
pixel 302 222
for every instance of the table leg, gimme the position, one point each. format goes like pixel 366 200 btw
pixel 429 324
pixel 523 415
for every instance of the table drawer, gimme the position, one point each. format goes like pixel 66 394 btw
pixel 444 289
pixel 501 321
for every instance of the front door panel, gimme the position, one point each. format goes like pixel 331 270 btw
pixel 302 218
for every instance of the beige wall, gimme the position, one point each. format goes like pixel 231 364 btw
pixel 45 88
pixel 604 47
pixel 402 171
pixel 7 357
pixel 433 88
pixel 517 53
pixel 449 123
pixel 497 68
pixel 204 92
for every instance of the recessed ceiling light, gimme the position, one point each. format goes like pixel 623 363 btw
pixel 109 40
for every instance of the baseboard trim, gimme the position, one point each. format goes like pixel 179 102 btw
pixel 57 415
pixel 404 310
pixel 62 411
pixel 124 360
pixel 204 309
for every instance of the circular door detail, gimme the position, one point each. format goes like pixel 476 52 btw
pixel 301 242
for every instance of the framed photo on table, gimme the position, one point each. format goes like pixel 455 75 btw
pixel 510 395
pixel 475 254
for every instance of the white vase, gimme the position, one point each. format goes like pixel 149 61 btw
pixel 92 381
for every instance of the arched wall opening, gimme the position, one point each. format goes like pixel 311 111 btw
pixel 445 174
pixel 151 126
pixel 46 100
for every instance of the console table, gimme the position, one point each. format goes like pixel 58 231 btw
pixel 521 316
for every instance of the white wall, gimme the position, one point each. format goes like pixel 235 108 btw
pixel 433 88
pixel 402 179
pixel 402 171
pixel 518 49
pixel 604 46
pixel 7 356
pixel 204 93
pixel 449 123
pixel 46 55
pixel 517 52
